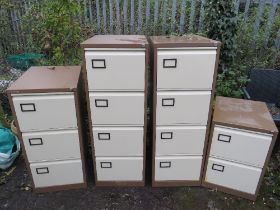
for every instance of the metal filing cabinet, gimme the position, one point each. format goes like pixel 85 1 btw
pixel 242 138
pixel 184 78
pixel 115 76
pixel 45 105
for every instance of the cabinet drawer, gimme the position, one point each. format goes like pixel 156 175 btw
pixel 52 145
pixel 118 141
pixel 57 173
pixel 185 68
pixel 44 111
pixel 117 108
pixel 236 145
pixel 182 107
pixel 119 168
pixel 232 175
pixel 115 69
pixel 180 140
pixel 178 168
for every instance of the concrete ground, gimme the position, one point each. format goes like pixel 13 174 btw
pixel 16 194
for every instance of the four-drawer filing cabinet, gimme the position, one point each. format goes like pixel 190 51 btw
pixel 45 105
pixel 184 80
pixel 242 138
pixel 115 72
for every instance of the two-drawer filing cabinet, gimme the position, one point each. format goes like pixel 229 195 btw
pixel 184 80
pixel 242 138
pixel 45 105
pixel 115 72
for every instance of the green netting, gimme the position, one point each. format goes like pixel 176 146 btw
pixel 23 61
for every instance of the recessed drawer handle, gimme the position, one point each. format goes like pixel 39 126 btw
pixel 166 135
pixel 166 164
pixel 224 138
pixel 104 136
pixel 106 164
pixel 29 107
pixel 35 141
pixel 101 103
pixel 44 170
pixel 170 63
pixel 98 63
pixel 168 102
pixel 217 167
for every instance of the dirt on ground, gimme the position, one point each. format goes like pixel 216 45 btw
pixel 16 194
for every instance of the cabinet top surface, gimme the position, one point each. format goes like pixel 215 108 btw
pixel 253 115
pixel 111 41
pixel 47 79
pixel 183 41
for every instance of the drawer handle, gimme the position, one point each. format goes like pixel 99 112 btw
pixel 106 164
pixel 35 141
pixel 168 102
pixel 29 107
pixel 224 138
pixel 98 63
pixel 166 135
pixel 104 136
pixel 166 164
pixel 170 63
pixel 217 167
pixel 44 170
pixel 101 103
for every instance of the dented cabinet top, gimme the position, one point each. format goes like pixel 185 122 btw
pixel 39 79
pixel 244 114
pixel 183 41
pixel 116 41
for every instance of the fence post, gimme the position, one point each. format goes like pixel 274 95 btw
pixel 156 16
pixel 104 16
pixel 139 27
pixel 118 25
pixel 90 11
pixel 173 15
pixel 148 6
pixel 201 16
pixel 183 16
pixel 97 15
pixel 111 16
pixel 164 16
pixel 247 7
pixel 125 29
pixel 270 21
pixel 192 15
pixel 237 4
pixel 85 11
pixel 259 17
pixel 277 47
pixel 131 16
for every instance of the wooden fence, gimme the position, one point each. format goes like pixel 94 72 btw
pixel 151 17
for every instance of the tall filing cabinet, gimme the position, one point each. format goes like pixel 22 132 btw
pixel 45 105
pixel 184 77
pixel 115 69
pixel 242 138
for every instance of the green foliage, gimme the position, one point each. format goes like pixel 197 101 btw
pixel 55 30
pixel 3 118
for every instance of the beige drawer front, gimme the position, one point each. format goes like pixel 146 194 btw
pixel 44 111
pixel 240 146
pixel 57 173
pixel 180 140
pixel 232 175
pixel 118 108
pixel 52 145
pixel 182 107
pixel 118 69
pixel 119 168
pixel 181 69
pixel 118 141
pixel 178 168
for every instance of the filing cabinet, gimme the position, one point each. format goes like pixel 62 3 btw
pixel 45 104
pixel 243 134
pixel 184 80
pixel 115 72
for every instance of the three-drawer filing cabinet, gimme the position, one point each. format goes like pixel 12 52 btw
pixel 115 72
pixel 45 105
pixel 242 138
pixel 184 80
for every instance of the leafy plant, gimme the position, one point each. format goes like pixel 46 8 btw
pixel 55 30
